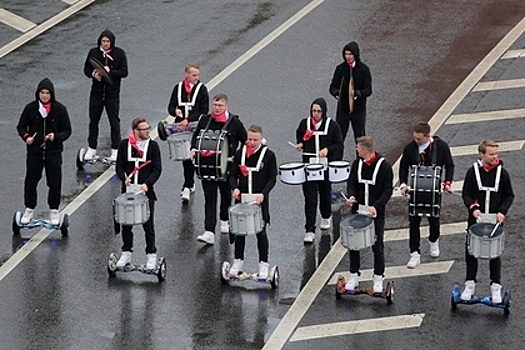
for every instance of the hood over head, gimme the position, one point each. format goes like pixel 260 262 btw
pixel 45 84
pixel 322 103
pixel 109 34
pixel 353 47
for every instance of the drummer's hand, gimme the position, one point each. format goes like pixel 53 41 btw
pixel 184 124
pixel 97 76
pixel 192 155
pixel 236 194
pixel 259 199
pixel 405 190
pixel 30 140
pixel 476 213
pixel 299 146
pixel 127 182
pixel 143 188
pixel 178 113
pixel 351 201
pixel 50 136
pixel 372 212
pixel 107 68
pixel 500 218
pixel 447 189
pixel 323 153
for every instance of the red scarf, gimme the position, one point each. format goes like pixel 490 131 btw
pixel 187 87
pixel 371 160
pixel 244 170
pixel 105 54
pixel 133 142
pixel 488 168
pixel 47 107
pixel 249 151
pixel 219 118
pixel 137 168
pixel 206 153
pixel 351 65
pixel 309 133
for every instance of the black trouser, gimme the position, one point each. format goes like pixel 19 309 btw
pixel 415 233
pixel 472 267
pixel 358 124
pixel 210 202
pixel 189 171
pixel 97 103
pixel 53 167
pixel 149 232
pixel 262 246
pixel 310 191
pixel 378 249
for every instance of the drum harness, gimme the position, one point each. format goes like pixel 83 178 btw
pixel 364 210
pixel 317 133
pixel 187 105
pixel 250 170
pixel 486 188
pixel 137 167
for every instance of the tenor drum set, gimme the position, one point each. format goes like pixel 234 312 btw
pixel 296 173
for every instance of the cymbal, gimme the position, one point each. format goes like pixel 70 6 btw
pixel 99 67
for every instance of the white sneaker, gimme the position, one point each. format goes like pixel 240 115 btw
pixel 225 226
pixel 309 237
pixel 54 217
pixel 495 290
pixel 90 154
pixel 125 258
pixel 470 288
pixel 378 284
pixel 151 261
pixel 434 248
pixel 113 157
pixel 207 237
pixel 326 223
pixel 185 194
pixel 237 266
pixel 27 217
pixel 414 260
pixel 264 269
pixel 192 189
pixel 353 281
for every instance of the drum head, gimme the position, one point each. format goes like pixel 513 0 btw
pixel 240 209
pixel 314 167
pixel 484 229
pixel 357 221
pixel 339 164
pixel 291 166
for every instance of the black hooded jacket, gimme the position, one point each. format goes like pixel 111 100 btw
pixel 362 82
pixel 333 140
pixel 32 123
pixel 118 67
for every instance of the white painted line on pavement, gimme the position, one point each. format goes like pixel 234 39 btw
pixel 486 116
pixel 15 21
pixel 473 149
pixel 396 272
pixel 39 29
pixel 444 229
pixel 358 327
pixel 500 84
pixel 296 312
pixel 513 54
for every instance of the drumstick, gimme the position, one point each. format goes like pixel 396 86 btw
pixel 291 144
pixel 494 229
pixel 36 132
pixel 342 194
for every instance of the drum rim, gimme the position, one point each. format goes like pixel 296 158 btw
pixel 288 166
pixel 487 237
pixel 339 164
pixel 314 167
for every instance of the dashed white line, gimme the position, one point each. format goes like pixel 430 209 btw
pixel 14 21
pixel 500 84
pixel 486 116
pixel 513 54
pixel 515 145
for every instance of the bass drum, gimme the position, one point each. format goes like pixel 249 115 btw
pixel 211 157
pixel 425 191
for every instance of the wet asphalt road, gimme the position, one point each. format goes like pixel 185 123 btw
pixel 60 296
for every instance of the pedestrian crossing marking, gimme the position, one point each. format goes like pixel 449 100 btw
pixel 500 84
pixel 513 54
pixel 14 21
pixel 395 272
pixel 357 327
pixel 515 145
pixel 445 229
pixel 486 116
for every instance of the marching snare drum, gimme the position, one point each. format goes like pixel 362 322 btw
pixel 425 191
pixel 338 171
pixel 131 209
pixel 211 158
pixel 179 145
pixel 357 232
pixel 245 219
pixel 292 173
pixel 314 172
pixel 481 245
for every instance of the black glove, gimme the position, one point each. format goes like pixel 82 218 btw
pixel 357 93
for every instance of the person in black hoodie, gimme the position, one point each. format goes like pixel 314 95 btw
pixel 379 193
pixel 258 159
pixel 219 119
pixel 44 125
pixel 486 176
pixel 139 151
pixel 330 147
pixel 103 94
pixel 352 67
pixel 192 92
pixel 425 150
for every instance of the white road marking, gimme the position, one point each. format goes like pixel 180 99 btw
pixel 500 84
pixel 396 272
pixel 39 29
pixel 296 312
pixel 486 116
pixel 357 327
pixel 473 149
pixel 14 21
pixel 513 54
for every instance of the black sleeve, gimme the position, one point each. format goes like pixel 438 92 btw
pixel 335 84
pixel 271 164
pixel 156 164
pixel 507 194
